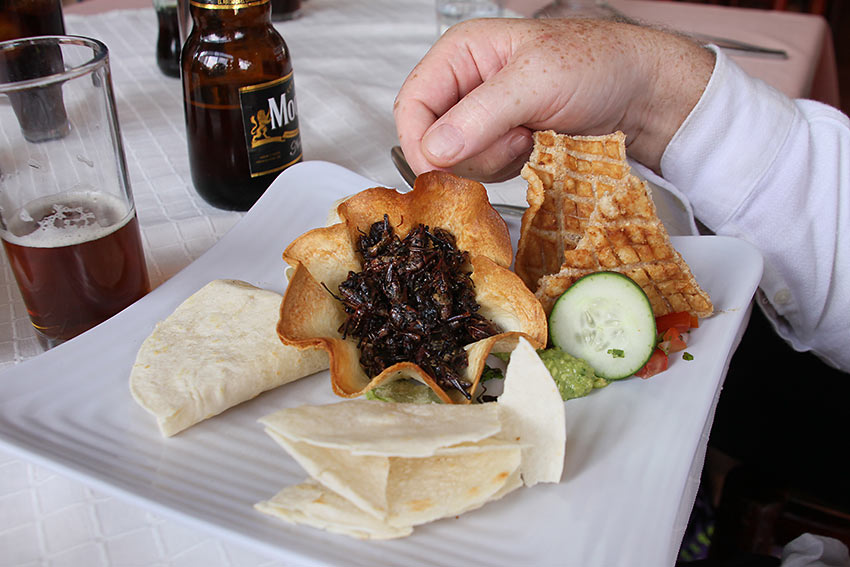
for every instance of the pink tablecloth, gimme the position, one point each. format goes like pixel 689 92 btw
pixel 97 6
pixel 809 71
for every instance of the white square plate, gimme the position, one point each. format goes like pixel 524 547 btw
pixel 634 449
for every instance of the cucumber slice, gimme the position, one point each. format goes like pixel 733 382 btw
pixel 606 319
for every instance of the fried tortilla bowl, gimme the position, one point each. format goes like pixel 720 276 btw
pixel 310 315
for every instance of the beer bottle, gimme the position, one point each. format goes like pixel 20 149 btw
pixel 168 37
pixel 283 10
pixel 40 112
pixel 239 101
pixel 29 18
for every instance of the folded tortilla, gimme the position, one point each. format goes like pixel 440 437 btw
pixel 532 410
pixel 403 465
pixel 218 349
pixel 312 504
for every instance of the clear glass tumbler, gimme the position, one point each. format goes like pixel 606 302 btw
pixel 576 9
pixel 451 12
pixel 67 218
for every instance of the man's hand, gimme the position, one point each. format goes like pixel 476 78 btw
pixel 472 102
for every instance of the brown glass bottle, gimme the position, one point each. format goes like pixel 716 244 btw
pixel 27 18
pixel 41 113
pixel 283 10
pixel 239 100
pixel 168 37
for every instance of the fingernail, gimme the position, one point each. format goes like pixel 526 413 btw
pixel 443 142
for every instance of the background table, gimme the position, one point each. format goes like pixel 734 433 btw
pixel 350 57
pixel 809 71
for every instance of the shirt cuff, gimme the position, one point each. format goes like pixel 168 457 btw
pixel 728 142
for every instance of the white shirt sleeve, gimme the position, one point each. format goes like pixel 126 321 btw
pixel 775 172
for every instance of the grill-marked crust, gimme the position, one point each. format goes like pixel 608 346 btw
pixel 588 213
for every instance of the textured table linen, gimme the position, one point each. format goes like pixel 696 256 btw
pixel 809 71
pixel 350 57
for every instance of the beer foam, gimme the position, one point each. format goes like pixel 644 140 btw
pixel 67 219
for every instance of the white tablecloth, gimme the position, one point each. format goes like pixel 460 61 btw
pixel 350 57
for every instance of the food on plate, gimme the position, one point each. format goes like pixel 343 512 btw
pixel 218 349
pixel 574 377
pixel 405 390
pixel 673 332
pixel 533 413
pixel 588 213
pixel 402 269
pixel 407 464
pixel 413 301
pixel 605 319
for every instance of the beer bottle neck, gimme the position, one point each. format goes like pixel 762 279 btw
pixel 231 15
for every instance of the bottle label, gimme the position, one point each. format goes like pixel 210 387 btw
pixel 270 118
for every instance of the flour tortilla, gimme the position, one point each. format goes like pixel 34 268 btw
pixel 431 488
pixel 218 349
pixel 410 491
pixel 360 479
pixel 415 490
pixel 312 504
pixel 350 447
pixel 533 413
pixel 377 469
pixel 371 427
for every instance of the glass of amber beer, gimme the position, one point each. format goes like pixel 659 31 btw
pixel 67 218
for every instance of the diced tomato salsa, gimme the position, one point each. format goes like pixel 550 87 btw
pixel 656 363
pixel 681 320
pixel 671 329
pixel 672 341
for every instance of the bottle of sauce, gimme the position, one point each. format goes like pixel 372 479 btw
pixel 283 10
pixel 239 101
pixel 40 112
pixel 168 38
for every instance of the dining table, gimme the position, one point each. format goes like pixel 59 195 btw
pixel 350 58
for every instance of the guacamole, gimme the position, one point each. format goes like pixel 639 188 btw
pixel 575 377
pixel 405 391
